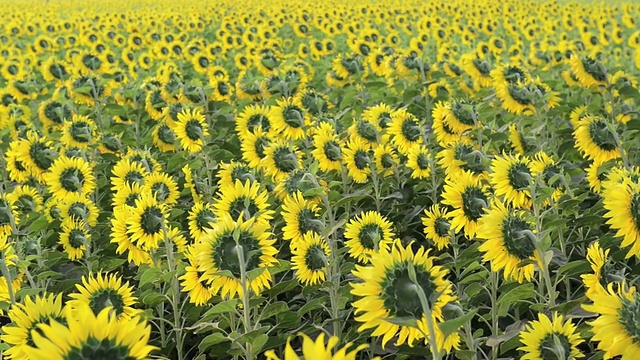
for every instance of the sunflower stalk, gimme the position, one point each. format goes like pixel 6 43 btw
pixel 246 310
pixel 537 242
pixel 432 339
pixel 175 293
pixel 376 185
pixel 333 268
pixel 7 276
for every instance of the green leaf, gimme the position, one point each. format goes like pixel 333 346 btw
pixel 313 192
pixel 274 309
pixel 506 300
pixel 574 268
pixel 450 326
pixel 255 273
pixel 111 264
pixel 40 223
pixel 224 307
pixel 210 340
pixel 153 299
pixel 466 354
pixel 150 275
pixel 259 342
pixel 402 321
pixel 511 331
pixel 5 305
pixel 48 274
pixel 23 293
pixel 312 305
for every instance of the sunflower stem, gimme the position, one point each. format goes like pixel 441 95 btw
pixel 7 277
pixel 175 289
pixel 494 310
pixel 376 186
pixel 246 315
pixel 432 339
pixel 544 267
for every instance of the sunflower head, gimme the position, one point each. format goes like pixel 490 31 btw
pixel 391 288
pixel 550 339
pixel 100 292
pixel 310 258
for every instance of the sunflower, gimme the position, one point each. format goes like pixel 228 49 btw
pixel 195 186
pixel 387 291
pixel 290 118
pixel 622 202
pixel 310 258
pixel 36 154
pixel 365 130
pixel 300 216
pixel 201 220
pixel 589 71
pixel 232 171
pixel 192 282
pixel 191 129
pixel 598 258
pixel 53 113
pixel 70 175
pixel 366 234
pixel 469 198
pixel 357 160
pixel 507 74
pixel 74 238
pixel 545 167
pixel 509 242
pixel 253 118
pixel 102 292
pixel 282 158
pixel 127 172
pixel 314 101
pixel 253 147
pixel 440 90
pixel 127 195
pixel 17 169
pixel 162 187
pixel 246 200
pixel 90 336
pixel 25 199
pixel 327 149
pixel 550 339
pixel 462 115
pixel 120 236
pixel 318 350
pixel 299 180
pixel 26 318
pixel 461 156
pixel 87 89
pixel 405 129
pixel 221 253
pixel 437 226
pixel 595 140
pixel 419 161
pixel 164 138
pixel 147 224
pixel 517 98
pixel 379 114
pixel 385 157
pixel 616 328
pixel 511 178
pixel 478 69
pixel 79 207
pixel 518 142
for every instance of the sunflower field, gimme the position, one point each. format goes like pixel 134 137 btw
pixel 376 179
